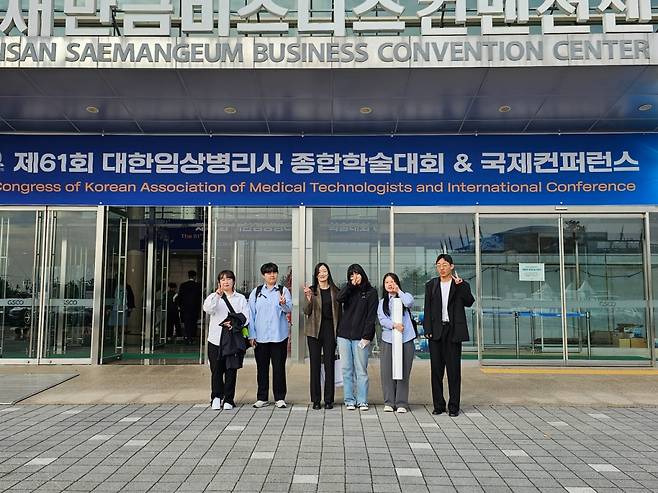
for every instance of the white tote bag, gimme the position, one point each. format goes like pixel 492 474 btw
pixel 338 373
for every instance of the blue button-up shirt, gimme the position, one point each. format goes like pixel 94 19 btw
pixel 268 320
pixel 387 322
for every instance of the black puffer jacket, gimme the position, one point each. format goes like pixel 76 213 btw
pixel 359 308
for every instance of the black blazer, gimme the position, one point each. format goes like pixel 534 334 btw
pixel 189 299
pixel 460 297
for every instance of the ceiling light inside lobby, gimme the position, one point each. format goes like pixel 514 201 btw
pixel 230 110
pixel 645 107
pixel 504 109
pixel 92 109
pixel 365 110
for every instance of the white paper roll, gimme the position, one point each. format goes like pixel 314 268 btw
pixel 396 353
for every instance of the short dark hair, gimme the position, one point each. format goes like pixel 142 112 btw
pixel 446 257
pixel 191 274
pixel 228 274
pixel 268 268
pixel 172 285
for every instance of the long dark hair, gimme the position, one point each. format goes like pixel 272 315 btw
pixel 357 269
pixel 396 280
pixel 316 285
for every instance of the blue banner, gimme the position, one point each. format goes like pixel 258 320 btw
pixel 323 171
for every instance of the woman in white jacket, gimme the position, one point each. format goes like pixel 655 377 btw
pixel 217 305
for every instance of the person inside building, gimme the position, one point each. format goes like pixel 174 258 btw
pixel 229 313
pixel 322 314
pixel 396 392
pixel 355 332
pixel 173 317
pixel 189 302
pixel 269 306
pixel 445 326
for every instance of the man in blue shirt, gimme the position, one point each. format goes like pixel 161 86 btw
pixel 269 305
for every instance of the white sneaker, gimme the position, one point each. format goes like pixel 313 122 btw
pixel 350 407
pixel 363 407
pixel 388 409
pixel 227 406
pixel 280 404
pixel 258 404
pixel 401 410
pixel 216 404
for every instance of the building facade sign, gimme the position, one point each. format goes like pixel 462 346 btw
pixel 435 17
pixel 329 171
pixel 374 33
pixel 317 52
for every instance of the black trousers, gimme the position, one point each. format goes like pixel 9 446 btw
pixel 189 326
pixel 173 324
pixel 276 353
pixel 446 355
pixel 322 351
pixel 222 379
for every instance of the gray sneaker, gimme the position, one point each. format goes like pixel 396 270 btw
pixel 258 404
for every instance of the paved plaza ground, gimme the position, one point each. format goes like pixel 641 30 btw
pixel 149 428
pixel 189 447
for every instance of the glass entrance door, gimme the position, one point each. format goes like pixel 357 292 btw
pixel 154 328
pixel 69 283
pixel 605 290
pixel 119 299
pixel 520 279
pixel 20 260
pixel 163 245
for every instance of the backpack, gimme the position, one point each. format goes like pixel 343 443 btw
pixel 278 288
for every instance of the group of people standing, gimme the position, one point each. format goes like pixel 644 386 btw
pixel 342 319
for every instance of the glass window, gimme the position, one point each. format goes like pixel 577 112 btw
pixel 244 238
pixel 341 236
pixel 19 283
pixel 419 239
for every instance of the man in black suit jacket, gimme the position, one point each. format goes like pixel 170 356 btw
pixel 189 301
pixel 445 326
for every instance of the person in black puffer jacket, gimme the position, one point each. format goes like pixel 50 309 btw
pixel 355 332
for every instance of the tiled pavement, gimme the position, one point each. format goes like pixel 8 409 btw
pixel 166 448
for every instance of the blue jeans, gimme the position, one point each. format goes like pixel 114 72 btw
pixel 354 361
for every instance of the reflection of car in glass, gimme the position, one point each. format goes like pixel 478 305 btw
pixel 18 315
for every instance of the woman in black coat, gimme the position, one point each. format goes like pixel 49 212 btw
pixel 355 332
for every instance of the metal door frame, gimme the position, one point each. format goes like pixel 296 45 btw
pixel 149 294
pixel 207 277
pixel 123 262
